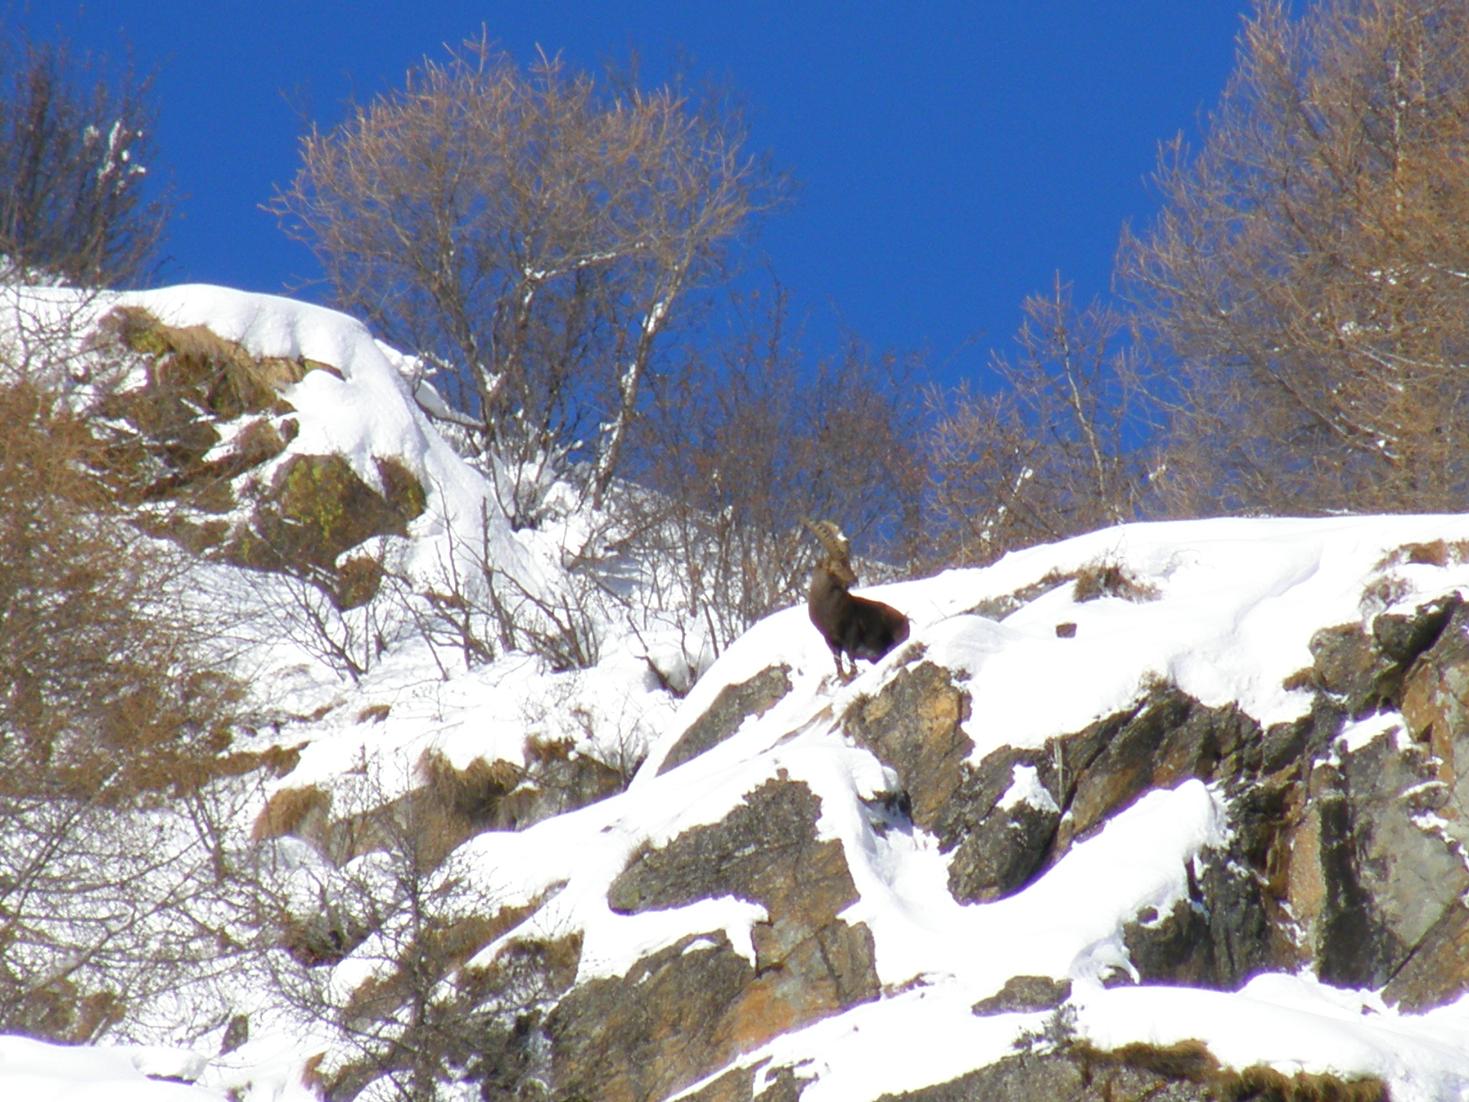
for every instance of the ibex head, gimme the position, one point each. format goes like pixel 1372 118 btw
pixel 852 626
pixel 838 548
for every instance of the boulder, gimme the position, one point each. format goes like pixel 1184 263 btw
pixel 1025 995
pixel 684 1012
pixel 733 705
pixel 1370 875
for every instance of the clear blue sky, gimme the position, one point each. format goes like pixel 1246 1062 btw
pixel 952 155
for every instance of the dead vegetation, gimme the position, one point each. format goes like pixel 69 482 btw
pixel 1439 553
pixel 1101 577
pixel 1107 577
pixel 1192 1062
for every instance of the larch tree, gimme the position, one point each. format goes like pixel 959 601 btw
pixel 1308 276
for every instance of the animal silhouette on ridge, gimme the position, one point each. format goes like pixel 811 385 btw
pixel 852 626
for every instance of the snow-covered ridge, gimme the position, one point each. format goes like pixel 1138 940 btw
pixel 1226 615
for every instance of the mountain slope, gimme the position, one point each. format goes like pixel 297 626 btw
pixel 1172 807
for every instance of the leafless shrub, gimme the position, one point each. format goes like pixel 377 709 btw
pixel 1049 445
pixel 75 148
pixel 1107 577
pixel 470 607
pixel 305 610
pixel 736 454
pixel 407 916
pixel 580 750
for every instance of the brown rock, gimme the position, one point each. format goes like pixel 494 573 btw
pixel 685 1012
pixel 1365 672
pixel 1436 708
pixel 1167 739
pixel 915 725
pixel 1437 972
pixel 659 1028
pixel 1025 994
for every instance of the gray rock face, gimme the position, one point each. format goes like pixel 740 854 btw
pixel 1346 858
pixel 1388 876
pixel 733 705
pixel 1437 968
pixel 1056 1078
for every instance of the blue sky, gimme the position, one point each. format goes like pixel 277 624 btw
pixel 951 156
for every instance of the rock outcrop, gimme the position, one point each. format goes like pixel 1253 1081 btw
pixel 206 433
pixel 697 1004
pixel 1345 854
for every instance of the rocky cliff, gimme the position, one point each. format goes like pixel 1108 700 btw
pixel 1171 811
pixel 1167 812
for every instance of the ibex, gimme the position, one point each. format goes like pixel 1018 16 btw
pixel 852 626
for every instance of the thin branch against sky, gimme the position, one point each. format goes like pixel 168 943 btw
pixel 952 156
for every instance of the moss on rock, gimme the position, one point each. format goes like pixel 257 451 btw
pixel 317 507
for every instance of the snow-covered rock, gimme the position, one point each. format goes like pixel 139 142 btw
pixel 1174 805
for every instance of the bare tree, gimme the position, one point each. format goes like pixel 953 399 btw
pixel 1051 443
pixel 76 142
pixel 738 451
pixel 1307 273
pixel 533 235
pixel 405 912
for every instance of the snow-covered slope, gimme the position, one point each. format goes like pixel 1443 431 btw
pixel 1220 612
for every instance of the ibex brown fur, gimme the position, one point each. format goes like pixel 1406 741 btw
pixel 852 626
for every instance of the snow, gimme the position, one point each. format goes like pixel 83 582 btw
pixel 1294 1023
pixel 1026 788
pixel 31 1069
pixel 1227 612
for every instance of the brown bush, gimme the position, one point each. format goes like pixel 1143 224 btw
pixel 102 685
pixel 108 705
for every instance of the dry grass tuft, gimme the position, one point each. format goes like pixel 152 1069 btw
pixel 1109 578
pixel 1192 1062
pixel 293 811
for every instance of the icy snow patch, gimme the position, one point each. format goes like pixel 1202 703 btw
pixel 1026 788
